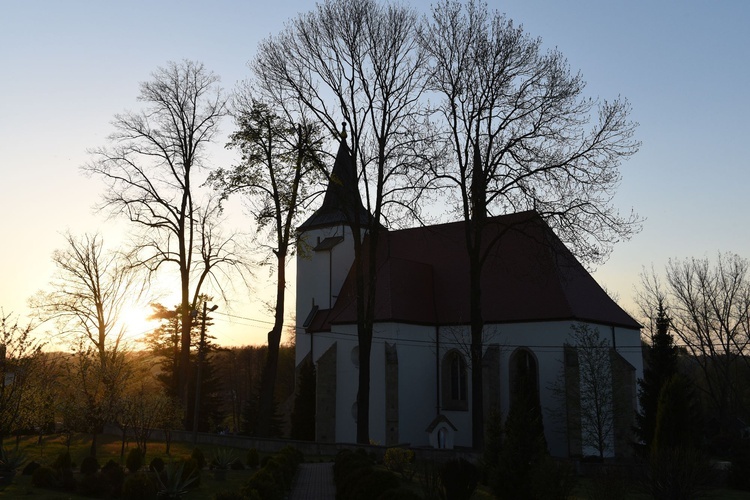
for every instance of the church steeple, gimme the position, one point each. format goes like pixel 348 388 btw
pixel 342 203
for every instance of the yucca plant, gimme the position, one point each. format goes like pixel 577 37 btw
pixel 223 459
pixel 10 461
pixel 173 486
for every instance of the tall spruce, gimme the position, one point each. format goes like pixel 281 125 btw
pixel 660 367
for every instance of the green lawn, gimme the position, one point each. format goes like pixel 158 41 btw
pixel 110 448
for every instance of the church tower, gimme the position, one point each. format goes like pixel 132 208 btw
pixel 326 247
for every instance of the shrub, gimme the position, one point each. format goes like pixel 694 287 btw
pixel 67 479
pixel 237 465
pixel 400 493
pixel 252 458
pixel 138 486
pixel 678 473
pixel 265 486
pixel 199 457
pixel 63 462
pixel 113 475
pixel 192 470
pixel 92 485
pixel 294 456
pixel 346 462
pixel 134 460
pixel 30 468
pixel 554 480
pixel 89 466
pixel 400 461
pixel 347 485
pixel 229 495
pixel 460 478
pixel 156 465
pixel 371 486
pixel 46 477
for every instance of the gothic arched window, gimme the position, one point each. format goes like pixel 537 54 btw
pixel 454 383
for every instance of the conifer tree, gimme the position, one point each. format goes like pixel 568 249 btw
pixel 660 367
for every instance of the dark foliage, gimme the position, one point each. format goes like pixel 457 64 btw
pixel 230 495
pixel 253 460
pixel 63 462
pixel 523 449
pixel 400 493
pixel 460 478
pixel 303 415
pixel 192 469
pixel 114 475
pixel 660 366
pixel 156 465
pixel 739 473
pixel 89 466
pixel 677 473
pixel 265 485
pixel 30 468
pixel 134 461
pixel 93 485
pixel 139 486
pixel 46 477
pixel 199 457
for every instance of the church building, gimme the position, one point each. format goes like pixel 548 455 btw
pixel 534 294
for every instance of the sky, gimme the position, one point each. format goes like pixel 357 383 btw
pixel 69 66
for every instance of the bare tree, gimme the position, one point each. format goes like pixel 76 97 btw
pixel 19 357
pixel 143 409
pixel 596 388
pixel 522 137
pixel 94 392
pixel 709 304
pixel 280 166
pixel 88 293
pixel 151 168
pixel 358 62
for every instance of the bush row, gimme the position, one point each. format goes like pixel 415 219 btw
pixel 357 478
pixel 272 481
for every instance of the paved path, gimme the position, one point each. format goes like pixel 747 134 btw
pixel 314 482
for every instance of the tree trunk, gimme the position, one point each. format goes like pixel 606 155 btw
pixel 268 382
pixel 92 451
pixel 477 328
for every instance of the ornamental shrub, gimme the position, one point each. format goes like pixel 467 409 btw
pixel 89 466
pixel 63 462
pixel 252 458
pixel 134 460
pixel 45 477
pixel 400 461
pixel 156 465
pixel 199 457
pixel 460 478
pixel 138 486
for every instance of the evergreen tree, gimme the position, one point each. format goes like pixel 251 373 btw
pixel 661 366
pixel 303 415
pixel 677 417
pixel 524 447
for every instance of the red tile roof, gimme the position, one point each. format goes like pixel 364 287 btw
pixel 529 275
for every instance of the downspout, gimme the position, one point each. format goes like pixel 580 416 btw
pixel 437 369
pixel 614 338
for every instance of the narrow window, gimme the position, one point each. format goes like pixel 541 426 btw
pixel 454 383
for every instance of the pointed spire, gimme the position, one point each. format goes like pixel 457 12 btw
pixel 342 202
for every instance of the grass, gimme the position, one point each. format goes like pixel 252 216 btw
pixel 109 448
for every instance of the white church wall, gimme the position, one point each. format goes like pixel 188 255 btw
pixel 320 276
